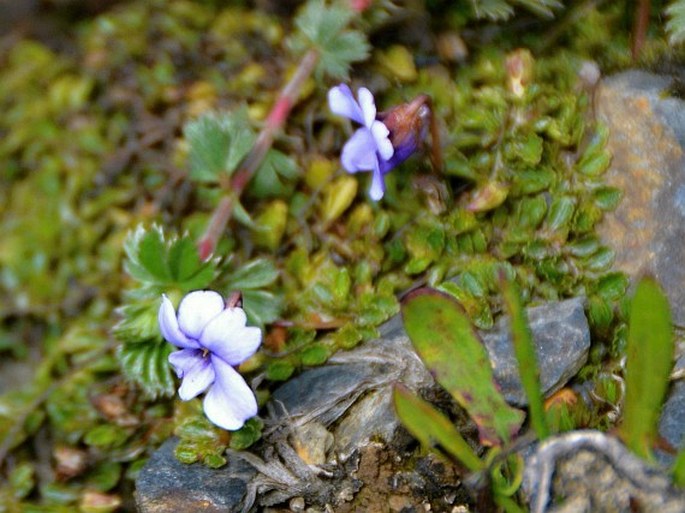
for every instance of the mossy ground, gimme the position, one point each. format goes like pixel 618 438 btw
pixel 92 146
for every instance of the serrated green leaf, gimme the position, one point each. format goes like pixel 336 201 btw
pixel 449 346
pixel 159 262
pixel 258 273
pixel 146 254
pixel 431 427
pixel 675 24
pixel 218 142
pixel 324 26
pixel 146 364
pixel 275 177
pixel 138 321
pixel 650 354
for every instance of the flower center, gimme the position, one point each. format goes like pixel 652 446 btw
pixel 205 352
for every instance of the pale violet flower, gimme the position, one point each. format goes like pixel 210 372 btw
pixel 212 338
pixel 369 148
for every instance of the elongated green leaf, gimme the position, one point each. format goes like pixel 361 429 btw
pixel 524 350
pixel 429 427
pixel 679 468
pixel 449 346
pixel 648 366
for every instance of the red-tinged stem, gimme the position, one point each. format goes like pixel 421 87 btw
pixel 274 122
pixel 640 27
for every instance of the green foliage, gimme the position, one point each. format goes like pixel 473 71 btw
pixel 679 469
pixel 247 435
pixel 90 150
pixel 431 427
pixel 199 439
pixel 524 350
pixel 324 27
pixel 146 364
pixel 499 10
pixel 218 142
pixel 161 263
pixel 649 362
pixel 675 24
pixel 261 306
pixel 275 177
pixel 449 346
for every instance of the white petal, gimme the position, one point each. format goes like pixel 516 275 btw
pixel 196 371
pixel 168 325
pixel 377 185
pixel 359 153
pixel 230 401
pixel 380 134
pixel 342 102
pixel 227 336
pixel 368 105
pixel 197 309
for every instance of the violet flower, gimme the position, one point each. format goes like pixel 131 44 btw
pixel 369 148
pixel 213 339
pixel 384 140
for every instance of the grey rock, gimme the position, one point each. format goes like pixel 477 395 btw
pixel 672 421
pixel 591 472
pixel 166 485
pixel 647 141
pixel 562 342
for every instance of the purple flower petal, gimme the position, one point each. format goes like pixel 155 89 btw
pixel 368 106
pixel 230 401
pixel 342 102
pixel 197 309
pixel 377 185
pixel 227 336
pixel 195 369
pixel 380 134
pixel 168 325
pixel 359 153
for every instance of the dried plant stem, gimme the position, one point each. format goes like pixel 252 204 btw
pixel 274 122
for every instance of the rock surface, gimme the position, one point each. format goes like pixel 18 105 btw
pixel 562 342
pixel 672 421
pixel 165 485
pixel 647 138
pixel 590 472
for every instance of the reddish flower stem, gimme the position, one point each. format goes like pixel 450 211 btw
pixel 640 24
pixel 274 122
